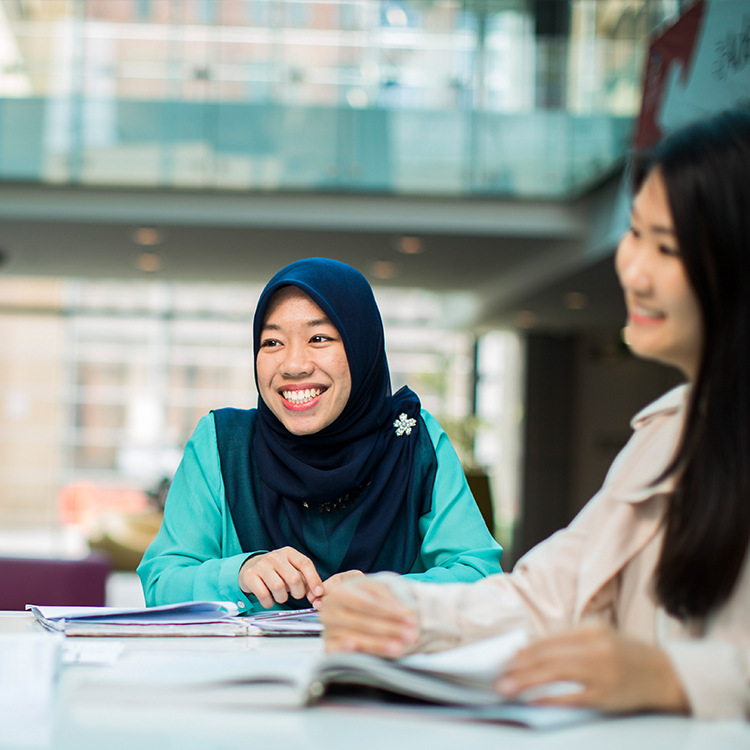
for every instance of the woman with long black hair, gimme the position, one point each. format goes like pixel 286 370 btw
pixel 643 602
pixel 330 477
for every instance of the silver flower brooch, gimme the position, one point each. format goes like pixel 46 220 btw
pixel 404 424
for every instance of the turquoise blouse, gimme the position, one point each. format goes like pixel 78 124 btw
pixel 197 555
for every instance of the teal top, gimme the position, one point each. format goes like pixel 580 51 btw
pixel 197 555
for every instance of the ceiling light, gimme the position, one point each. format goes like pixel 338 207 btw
pixel 576 300
pixel 396 17
pixel 148 262
pixel 383 269
pixel 148 236
pixel 409 245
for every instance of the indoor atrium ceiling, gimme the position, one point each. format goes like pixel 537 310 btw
pixel 514 256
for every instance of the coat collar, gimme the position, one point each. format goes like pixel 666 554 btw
pixel 636 511
pixel 657 430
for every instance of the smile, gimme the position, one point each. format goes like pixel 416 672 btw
pixel 302 396
pixel 644 315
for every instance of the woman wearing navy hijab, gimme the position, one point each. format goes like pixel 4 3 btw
pixel 331 476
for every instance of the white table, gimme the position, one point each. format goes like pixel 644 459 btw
pixel 76 725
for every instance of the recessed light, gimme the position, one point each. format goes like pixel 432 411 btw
pixel 410 245
pixel 148 262
pixel 525 319
pixel 148 236
pixel 384 269
pixel 576 300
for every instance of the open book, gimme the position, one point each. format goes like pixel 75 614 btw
pixel 184 618
pixel 461 678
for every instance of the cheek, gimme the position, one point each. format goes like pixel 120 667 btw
pixel 340 366
pixel 692 313
pixel 263 370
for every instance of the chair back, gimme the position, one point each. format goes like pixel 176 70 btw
pixel 47 581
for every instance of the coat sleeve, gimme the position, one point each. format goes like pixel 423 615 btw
pixel 715 676
pixel 456 545
pixel 196 554
pixel 539 596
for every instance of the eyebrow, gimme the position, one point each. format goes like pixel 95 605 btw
pixel 310 324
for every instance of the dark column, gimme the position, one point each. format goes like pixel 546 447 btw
pixel 547 462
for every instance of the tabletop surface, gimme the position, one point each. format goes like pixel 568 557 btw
pixel 77 723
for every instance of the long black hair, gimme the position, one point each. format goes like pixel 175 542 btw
pixel 706 172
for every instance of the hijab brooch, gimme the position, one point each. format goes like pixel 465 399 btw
pixel 404 424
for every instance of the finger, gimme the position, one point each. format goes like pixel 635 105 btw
pixel 306 567
pixel 375 600
pixel 532 673
pixel 579 699
pixel 274 583
pixel 293 578
pixel 337 579
pixel 365 624
pixel 578 655
pixel 366 605
pixel 348 640
pixel 256 587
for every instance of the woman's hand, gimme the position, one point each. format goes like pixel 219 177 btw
pixel 363 615
pixel 273 576
pixel 615 673
pixel 330 583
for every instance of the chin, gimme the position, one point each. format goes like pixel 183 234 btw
pixel 301 429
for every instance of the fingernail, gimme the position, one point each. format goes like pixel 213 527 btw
pixel 506 686
pixel 410 636
pixel 394 648
pixel 318 591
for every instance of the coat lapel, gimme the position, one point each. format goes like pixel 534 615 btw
pixel 632 508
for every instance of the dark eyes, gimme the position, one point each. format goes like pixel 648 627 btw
pixel 667 250
pixel 317 339
pixel 663 249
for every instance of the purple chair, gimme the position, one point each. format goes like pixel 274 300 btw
pixel 25 580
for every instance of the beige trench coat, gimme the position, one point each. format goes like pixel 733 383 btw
pixel 599 570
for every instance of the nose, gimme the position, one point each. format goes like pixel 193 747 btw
pixel 296 362
pixel 633 265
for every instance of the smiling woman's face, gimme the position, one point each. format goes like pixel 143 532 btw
pixel 664 317
pixel 303 372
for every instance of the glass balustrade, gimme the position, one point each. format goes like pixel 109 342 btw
pixel 512 98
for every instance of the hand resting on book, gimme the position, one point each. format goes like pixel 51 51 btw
pixel 365 615
pixel 615 673
pixel 609 671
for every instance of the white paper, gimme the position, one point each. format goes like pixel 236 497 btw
pixel 483 660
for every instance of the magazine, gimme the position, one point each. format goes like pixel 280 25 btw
pixel 460 678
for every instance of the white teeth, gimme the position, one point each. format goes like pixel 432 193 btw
pixel 302 397
pixel 647 313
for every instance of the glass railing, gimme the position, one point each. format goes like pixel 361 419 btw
pixel 451 98
pixel 266 147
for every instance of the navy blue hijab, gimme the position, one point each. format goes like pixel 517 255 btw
pixel 360 453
